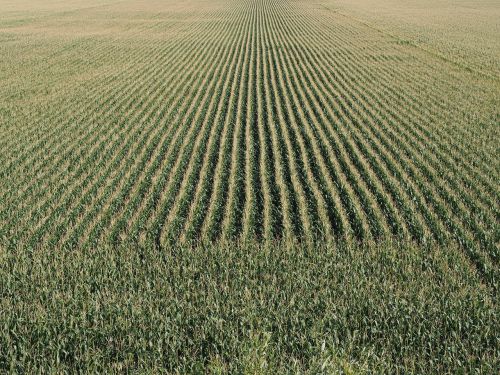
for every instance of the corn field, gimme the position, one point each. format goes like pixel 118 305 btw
pixel 158 124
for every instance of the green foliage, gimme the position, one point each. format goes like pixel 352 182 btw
pixel 247 186
pixel 246 308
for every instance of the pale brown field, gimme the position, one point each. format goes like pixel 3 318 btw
pixel 462 31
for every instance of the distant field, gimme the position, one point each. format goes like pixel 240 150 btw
pixel 462 31
pixel 158 125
